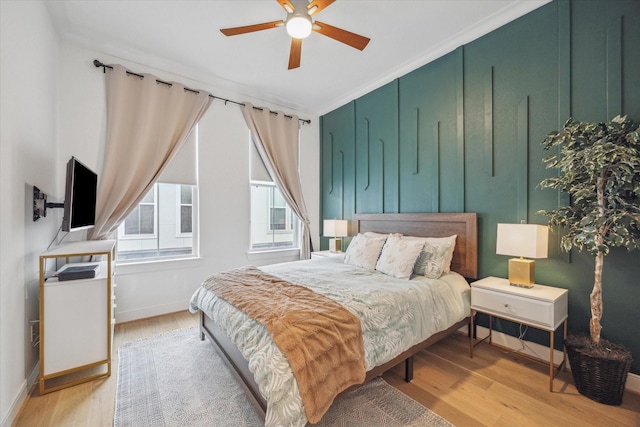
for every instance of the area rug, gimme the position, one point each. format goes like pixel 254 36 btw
pixel 175 379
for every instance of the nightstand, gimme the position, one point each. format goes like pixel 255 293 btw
pixel 541 307
pixel 327 254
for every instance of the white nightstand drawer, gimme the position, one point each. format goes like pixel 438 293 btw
pixel 514 307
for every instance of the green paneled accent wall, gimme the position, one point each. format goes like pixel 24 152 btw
pixel 523 99
pixel 428 138
pixel 337 160
pixel 376 163
pixel 463 133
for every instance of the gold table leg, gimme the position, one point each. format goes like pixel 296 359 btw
pixel 551 361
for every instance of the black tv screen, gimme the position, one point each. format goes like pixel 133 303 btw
pixel 80 197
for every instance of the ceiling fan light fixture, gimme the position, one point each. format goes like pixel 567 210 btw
pixel 299 26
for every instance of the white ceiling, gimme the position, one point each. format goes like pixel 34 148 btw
pixel 183 37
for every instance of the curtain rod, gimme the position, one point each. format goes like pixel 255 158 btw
pixel 99 64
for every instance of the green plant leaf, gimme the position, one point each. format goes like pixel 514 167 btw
pixel 599 167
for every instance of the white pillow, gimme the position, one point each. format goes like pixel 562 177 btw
pixel 399 256
pixel 363 251
pixel 374 234
pixel 435 258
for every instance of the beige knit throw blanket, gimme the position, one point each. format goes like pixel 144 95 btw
pixel 321 339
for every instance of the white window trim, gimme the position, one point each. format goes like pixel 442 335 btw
pixel 153 265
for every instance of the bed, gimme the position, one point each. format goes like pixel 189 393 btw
pixel 228 344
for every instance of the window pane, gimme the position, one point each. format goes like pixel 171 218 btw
pixel 185 219
pixel 278 200
pixel 278 218
pixel 162 228
pixel 132 223
pixel 186 194
pixel 146 219
pixel 271 224
pixel 149 198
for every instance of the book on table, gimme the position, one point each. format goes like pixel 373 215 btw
pixel 74 272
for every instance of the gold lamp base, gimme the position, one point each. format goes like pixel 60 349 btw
pixel 335 245
pixel 522 272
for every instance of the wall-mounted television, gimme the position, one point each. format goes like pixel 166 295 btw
pixel 79 197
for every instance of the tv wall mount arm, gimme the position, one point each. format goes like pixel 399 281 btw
pixel 40 204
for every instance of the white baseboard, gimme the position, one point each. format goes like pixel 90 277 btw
pixel 143 313
pixel 14 409
pixel 21 396
pixel 541 352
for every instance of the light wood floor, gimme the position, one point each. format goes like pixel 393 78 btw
pixel 494 388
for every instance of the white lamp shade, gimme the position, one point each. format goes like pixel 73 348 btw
pixel 335 228
pixel 523 240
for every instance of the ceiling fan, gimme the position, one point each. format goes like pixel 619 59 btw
pixel 299 24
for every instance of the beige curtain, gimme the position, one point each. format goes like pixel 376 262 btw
pixel 276 139
pixel 147 122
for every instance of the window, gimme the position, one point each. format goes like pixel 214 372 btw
pixel 164 224
pixel 279 213
pixel 160 226
pixel 186 209
pixel 142 221
pixel 273 224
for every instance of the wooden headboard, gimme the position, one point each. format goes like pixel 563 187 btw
pixel 464 225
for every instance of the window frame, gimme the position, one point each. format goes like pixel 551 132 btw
pixel 292 223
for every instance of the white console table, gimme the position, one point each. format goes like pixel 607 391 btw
pixel 76 317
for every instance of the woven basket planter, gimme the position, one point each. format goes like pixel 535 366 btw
pixel 599 374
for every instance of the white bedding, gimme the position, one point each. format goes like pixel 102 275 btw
pixel 395 315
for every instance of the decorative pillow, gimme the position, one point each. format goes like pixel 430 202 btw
pixel 374 234
pixel 363 251
pixel 451 241
pixel 399 256
pixel 435 258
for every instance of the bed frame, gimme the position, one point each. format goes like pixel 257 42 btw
pixel 465 262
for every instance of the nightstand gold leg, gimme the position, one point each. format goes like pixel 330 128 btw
pixel 551 362
pixel 564 349
pixel 471 336
pixel 490 329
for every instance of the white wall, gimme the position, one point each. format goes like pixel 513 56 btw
pixel 160 287
pixel 28 153
pixel 53 107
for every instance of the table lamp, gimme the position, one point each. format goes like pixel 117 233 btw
pixel 522 240
pixel 335 228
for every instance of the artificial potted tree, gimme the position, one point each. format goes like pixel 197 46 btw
pixel 599 167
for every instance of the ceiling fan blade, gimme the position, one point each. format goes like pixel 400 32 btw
pixel 251 28
pixel 316 6
pixel 287 5
pixel 296 52
pixel 343 36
